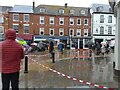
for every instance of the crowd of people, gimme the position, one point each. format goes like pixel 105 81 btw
pixel 100 48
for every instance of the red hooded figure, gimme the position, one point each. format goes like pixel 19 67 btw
pixel 10 58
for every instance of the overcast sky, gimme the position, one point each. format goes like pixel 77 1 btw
pixel 76 3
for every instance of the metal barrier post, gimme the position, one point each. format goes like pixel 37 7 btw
pixel 26 64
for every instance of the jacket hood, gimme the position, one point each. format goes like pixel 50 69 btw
pixel 10 34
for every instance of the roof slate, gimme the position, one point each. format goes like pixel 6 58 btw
pixel 22 9
pixel 106 7
pixel 53 10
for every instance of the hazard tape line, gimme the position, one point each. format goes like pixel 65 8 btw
pixel 69 58
pixel 39 55
pixel 72 78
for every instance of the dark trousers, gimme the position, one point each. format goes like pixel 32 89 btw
pixel 11 77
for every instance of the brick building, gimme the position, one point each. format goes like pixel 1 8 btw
pixel 3 11
pixel 70 24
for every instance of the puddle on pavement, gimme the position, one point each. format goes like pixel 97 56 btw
pixel 98 70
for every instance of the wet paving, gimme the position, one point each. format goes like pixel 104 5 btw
pixel 96 70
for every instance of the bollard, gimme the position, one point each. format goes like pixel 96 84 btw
pixel 26 64
pixel 53 57
pixel 113 64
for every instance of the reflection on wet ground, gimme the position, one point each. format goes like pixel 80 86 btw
pixel 97 70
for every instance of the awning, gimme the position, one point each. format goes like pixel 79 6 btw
pixel 25 36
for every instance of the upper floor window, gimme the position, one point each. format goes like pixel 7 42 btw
pixel 78 34
pixel 41 20
pixel 61 11
pixel 42 10
pixel 61 32
pixel 72 11
pixel 101 30
pixel 109 19
pixel 51 20
pixel 1 19
pixel 16 27
pixel 85 32
pixel 86 21
pixel 51 32
pixel 78 21
pixel 15 17
pixel 41 31
pixel 71 21
pixel 96 30
pixel 1 29
pixel 101 18
pixel 71 32
pixel 109 30
pixel 82 12
pixel 26 17
pixel 26 28
pixel 99 9
pixel 61 21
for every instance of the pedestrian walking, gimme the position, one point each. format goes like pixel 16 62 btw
pixel 98 48
pixel 51 46
pixel 103 50
pixel 61 46
pixel 12 53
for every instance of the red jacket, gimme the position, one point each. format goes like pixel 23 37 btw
pixel 11 53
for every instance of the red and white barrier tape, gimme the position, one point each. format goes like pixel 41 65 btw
pixel 39 55
pixel 72 78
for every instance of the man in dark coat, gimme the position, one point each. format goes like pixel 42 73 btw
pixel 51 47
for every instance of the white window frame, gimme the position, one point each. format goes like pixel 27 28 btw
pixel 82 12
pixel 61 19
pixel 52 19
pixel 61 30
pixel 72 12
pixel 77 21
pixel 41 30
pixel 14 16
pixel 28 29
pixel 101 30
pixel 84 21
pixel 1 19
pixel 1 30
pixel 72 32
pixel 109 30
pixel 71 20
pixel 78 31
pixel 85 31
pixel 42 18
pixel 61 11
pixel 24 17
pixel 101 18
pixel 42 10
pixel 17 31
pixel 50 31
pixel 109 19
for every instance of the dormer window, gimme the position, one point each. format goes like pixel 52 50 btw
pixel 42 10
pixel 82 12
pixel 99 9
pixel 72 12
pixel 61 11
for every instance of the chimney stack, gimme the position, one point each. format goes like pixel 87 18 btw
pixel 65 5
pixel 33 5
